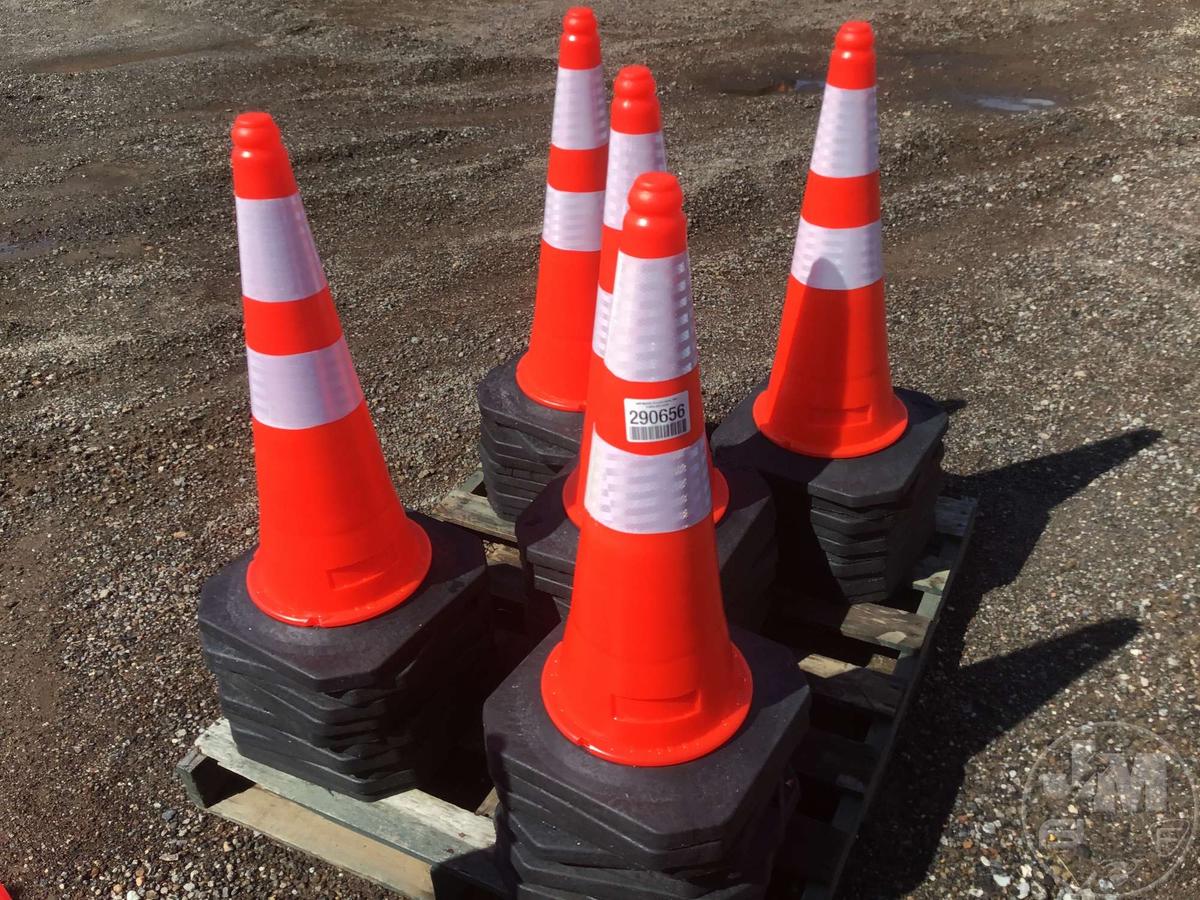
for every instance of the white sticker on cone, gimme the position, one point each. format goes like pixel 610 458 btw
pixel 657 419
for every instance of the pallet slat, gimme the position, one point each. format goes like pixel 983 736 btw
pixel 872 624
pixel 433 831
pixel 853 685
pixel 467 507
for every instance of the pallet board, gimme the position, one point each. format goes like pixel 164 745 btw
pixel 858 709
pixel 467 507
pixel 863 663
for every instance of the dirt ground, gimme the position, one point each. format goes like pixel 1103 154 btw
pixel 1040 182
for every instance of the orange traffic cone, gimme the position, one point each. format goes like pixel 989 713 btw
pixel 554 371
pixel 646 674
pixel 830 393
pixel 335 546
pixel 635 146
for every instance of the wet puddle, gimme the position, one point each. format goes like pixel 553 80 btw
pixel 746 88
pixel 10 250
pixel 962 79
pixel 1012 104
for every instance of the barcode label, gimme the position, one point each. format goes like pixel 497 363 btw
pixel 658 419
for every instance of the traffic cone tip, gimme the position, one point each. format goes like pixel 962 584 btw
pixel 852 63
pixel 855 35
pixel 579 47
pixel 654 226
pixel 261 170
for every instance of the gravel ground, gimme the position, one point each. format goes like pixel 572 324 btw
pixel 1040 190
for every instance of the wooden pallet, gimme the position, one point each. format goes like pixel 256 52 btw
pixel 863 662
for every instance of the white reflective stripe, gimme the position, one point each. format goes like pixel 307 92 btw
pixel 303 390
pixel 279 259
pixel 580 118
pixel 651 331
pixel 629 155
pixel 647 494
pixel 572 219
pixel 847 142
pixel 838 258
pixel 601 321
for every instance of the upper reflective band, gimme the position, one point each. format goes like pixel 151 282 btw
pixel 838 259
pixel 651 333
pixel 303 390
pixel 647 494
pixel 847 142
pixel 572 220
pixel 601 321
pixel 279 259
pixel 580 118
pixel 629 155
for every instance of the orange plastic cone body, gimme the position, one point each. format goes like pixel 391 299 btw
pixel 646 674
pixel 830 393
pixel 635 146
pixel 554 370
pixel 335 546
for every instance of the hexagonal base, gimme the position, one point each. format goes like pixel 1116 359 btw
pixel 501 401
pixel 623 883
pixel 365 655
pixel 878 478
pixel 658 817
pixel 550 843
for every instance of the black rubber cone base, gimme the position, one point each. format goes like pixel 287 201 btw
pixel 752 853
pixel 656 817
pixel 521 473
pixel 400 721
pixel 365 655
pixel 879 478
pixel 436 665
pixel 510 446
pixel 502 401
pixel 619 884
pixel 504 460
pixel 746 550
pixel 374 786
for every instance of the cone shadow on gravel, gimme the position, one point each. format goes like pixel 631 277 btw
pixel 1015 503
pixel 959 711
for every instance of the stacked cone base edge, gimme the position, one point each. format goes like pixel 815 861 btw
pixel 610 805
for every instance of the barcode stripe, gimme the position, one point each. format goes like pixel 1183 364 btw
pixel 658 432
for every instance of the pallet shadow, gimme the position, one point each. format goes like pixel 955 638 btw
pixel 960 711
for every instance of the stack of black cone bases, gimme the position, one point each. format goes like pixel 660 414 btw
pixel 747 551
pixel 572 825
pixel 367 709
pixel 849 530
pixel 523 445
